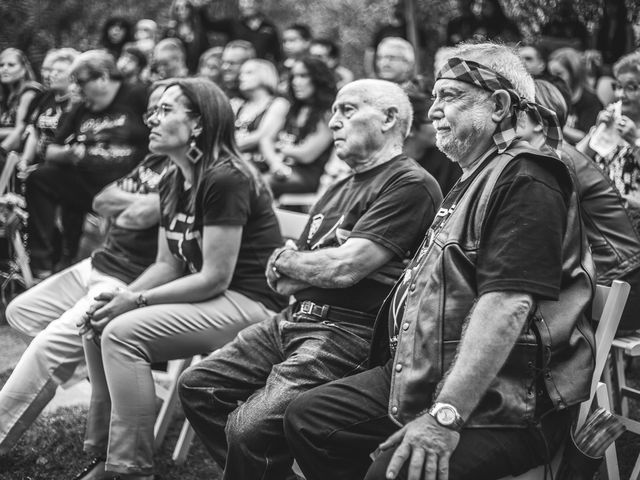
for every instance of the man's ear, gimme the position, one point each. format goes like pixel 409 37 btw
pixel 391 118
pixel 501 105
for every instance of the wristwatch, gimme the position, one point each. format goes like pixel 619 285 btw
pixel 141 301
pixel 447 416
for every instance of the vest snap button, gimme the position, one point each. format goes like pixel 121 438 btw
pixel 413 287
pixel 405 326
pixel 398 367
pixel 394 410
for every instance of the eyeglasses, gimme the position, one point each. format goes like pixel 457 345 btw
pixel 160 111
pixel 629 89
pixel 81 82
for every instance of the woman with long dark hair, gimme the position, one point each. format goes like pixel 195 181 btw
pixel 188 24
pixel 116 33
pixel 568 64
pixel 217 232
pixel 298 147
pixel 18 89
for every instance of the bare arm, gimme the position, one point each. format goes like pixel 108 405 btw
pixel 12 140
pixel 573 134
pixel 312 146
pixel 143 213
pixel 113 200
pixel 220 247
pixel 64 154
pixel 29 151
pixel 335 267
pixel 268 141
pixel 495 324
pixel 276 111
pixel 165 269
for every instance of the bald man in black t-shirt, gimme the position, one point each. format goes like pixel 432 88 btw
pixel 339 271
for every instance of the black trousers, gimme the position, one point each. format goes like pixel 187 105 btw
pixel 332 429
pixel 48 187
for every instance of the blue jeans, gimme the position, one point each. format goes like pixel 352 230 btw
pixel 235 399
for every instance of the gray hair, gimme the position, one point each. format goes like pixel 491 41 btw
pixel 64 55
pixel 628 63
pixel 382 95
pixel 96 63
pixel 402 45
pixel 501 59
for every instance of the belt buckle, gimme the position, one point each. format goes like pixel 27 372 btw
pixel 306 307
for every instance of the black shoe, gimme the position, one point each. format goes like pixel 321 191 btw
pixel 91 466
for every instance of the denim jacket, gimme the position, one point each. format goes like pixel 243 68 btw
pixel 555 347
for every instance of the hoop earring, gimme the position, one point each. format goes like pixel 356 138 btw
pixel 194 154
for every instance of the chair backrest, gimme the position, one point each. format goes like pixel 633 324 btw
pixel 606 309
pixel 291 223
pixel 10 164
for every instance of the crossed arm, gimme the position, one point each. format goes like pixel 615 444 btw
pixel 129 209
pixel 289 270
pixel 492 331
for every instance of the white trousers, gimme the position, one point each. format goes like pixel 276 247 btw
pixel 49 312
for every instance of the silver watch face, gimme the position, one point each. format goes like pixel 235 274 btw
pixel 446 416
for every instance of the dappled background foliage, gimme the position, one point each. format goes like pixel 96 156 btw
pixel 37 25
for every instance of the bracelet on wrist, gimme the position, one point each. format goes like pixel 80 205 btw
pixel 141 300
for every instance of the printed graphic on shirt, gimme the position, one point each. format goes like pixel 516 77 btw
pixel 184 242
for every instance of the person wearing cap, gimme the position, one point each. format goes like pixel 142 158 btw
pixel 339 271
pixel 482 350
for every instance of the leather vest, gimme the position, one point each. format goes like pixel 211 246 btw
pixel 556 347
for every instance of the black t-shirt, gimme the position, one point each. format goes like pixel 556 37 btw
pixel 258 31
pixel 46 117
pixel 293 134
pixel 521 243
pixel 126 253
pixel 115 138
pixel 392 205
pixel 226 196
pixel 585 111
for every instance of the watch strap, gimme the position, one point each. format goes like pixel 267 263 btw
pixel 457 423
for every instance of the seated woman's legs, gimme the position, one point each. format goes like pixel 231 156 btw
pixel 130 343
pixel 50 312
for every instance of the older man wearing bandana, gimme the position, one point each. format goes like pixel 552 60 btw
pixel 482 350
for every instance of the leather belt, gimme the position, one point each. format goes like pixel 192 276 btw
pixel 310 311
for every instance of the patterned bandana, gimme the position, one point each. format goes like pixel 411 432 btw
pixel 476 74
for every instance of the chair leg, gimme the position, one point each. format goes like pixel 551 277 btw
pixel 607 379
pixel 187 434
pixel 611 469
pixel 170 402
pixel 622 381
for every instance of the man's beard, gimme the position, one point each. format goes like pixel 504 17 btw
pixel 457 148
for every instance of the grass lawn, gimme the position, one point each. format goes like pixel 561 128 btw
pixel 52 450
